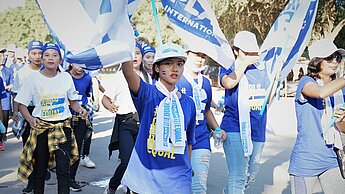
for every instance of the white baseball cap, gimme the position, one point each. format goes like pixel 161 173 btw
pixel 324 48
pixel 11 48
pixel 246 41
pixel 20 53
pixel 169 50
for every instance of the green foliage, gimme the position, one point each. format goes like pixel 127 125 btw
pixel 23 24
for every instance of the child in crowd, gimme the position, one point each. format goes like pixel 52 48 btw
pixel 148 57
pixel 52 140
pixel 160 160
pixel 82 128
pixel 7 78
pixel 35 58
pixel 194 84
pixel 117 99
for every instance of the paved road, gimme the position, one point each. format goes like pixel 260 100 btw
pixel 272 178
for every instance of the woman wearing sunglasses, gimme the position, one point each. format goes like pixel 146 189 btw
pixel 319 100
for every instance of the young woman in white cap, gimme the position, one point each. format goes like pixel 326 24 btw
pixel 160 160
pixel 195 85
pixel 245 83
pixel 51 139
pixel 319 97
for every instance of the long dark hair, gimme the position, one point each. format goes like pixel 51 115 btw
pixel 144 72
pixel 314 68
pixel 155 74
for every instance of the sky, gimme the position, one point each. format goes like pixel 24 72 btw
pixel 6 4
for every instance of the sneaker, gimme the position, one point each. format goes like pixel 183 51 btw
pixel 87 162
pixel 28 189
pixel 121 189
pixel 52 169
pixel 2 146
pixel 74 186
pixel 108 190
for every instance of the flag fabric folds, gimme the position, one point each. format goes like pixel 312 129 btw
pixel 288 37
pixel 195 23
pixel 286 41
pixel 93 34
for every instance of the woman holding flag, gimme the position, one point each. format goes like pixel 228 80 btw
pixel 245 83
pixel 320 116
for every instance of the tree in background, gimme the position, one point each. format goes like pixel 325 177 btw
pixel 22 24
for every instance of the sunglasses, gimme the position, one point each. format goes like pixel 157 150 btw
pixel 335 56
pixel 250 53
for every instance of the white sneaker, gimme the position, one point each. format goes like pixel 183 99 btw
pixel 87 162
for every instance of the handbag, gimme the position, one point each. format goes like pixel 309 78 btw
pixel 341 155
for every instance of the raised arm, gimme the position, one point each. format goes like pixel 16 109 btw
pixel 234 77
pixel 314 90
pixel 131 76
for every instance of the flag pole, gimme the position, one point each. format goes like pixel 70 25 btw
pixel 154 9
pixel 275 81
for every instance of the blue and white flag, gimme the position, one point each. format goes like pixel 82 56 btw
pixel 94 34
pixel 288 37
pixel 195 22
pixel 132 6
pixel 286 41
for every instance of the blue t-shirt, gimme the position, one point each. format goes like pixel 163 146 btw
pixel 84 87
pixel 258 82
pixel 310 156
pixel 202 135
pixel 7 79
pixel 2 89
pixel 149 171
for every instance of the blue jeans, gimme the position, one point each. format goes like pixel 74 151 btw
pixel 254 161
pixel 200 165
pixel 237 164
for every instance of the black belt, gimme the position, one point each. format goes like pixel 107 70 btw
pixel 124 117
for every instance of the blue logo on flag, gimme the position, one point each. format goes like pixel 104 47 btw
pixel 191 16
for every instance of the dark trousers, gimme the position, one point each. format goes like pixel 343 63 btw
pixel 5 116
pixel 128 131
pixel 87 145
pixel 79 132
pixel 62 159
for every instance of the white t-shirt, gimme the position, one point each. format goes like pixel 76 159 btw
pixel 22 74
pixel 49 95
pixel 119 93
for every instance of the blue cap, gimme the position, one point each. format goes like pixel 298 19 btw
pixel 51 45
pixel 35 44
pixel 148 48
pixel 137 44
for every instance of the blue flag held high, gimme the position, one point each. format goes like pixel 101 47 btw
pixel 195 23
pixel 287 39
pixel 94 34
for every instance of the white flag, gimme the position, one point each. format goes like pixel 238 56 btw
pixel 196 24
pixel 94 34
pixel 288 36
